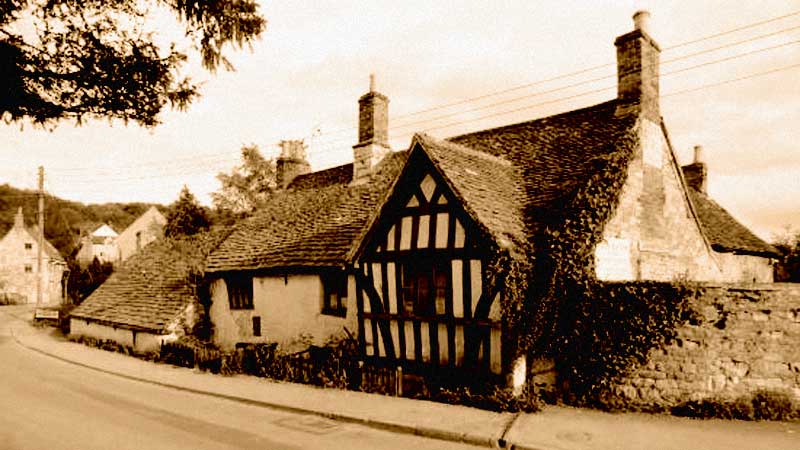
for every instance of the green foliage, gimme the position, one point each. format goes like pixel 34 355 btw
pixel 612 329
pixel 64 219
pixel 555 307
pixel 247 186
pixel 186 217
pixel 97 59
pixel 542 292
pixel 495 398
pixel 82 282
pixel 761 405
pixel 787 268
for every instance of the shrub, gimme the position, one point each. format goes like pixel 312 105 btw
pixel 761 405
pixel 774 405
pixel 498 399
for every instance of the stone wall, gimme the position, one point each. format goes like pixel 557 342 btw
pixel 744 338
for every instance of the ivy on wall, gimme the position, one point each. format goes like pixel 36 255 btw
pixel 553 304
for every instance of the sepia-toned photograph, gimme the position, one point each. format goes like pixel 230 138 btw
pixel 524 224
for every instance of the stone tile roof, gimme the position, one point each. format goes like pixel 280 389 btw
pixel 312 227
pixel 490 188
pixel 724 232
pixel 323 178
pixel 518 177
pixel 554 154
pixel 152 287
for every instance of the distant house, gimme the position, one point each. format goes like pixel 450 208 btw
pixel 145 229
pixel 18 265
pixel 150 299
pixel 101 244
pixel 399 256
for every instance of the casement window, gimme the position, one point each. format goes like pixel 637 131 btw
pixel 334 293
pixel 240 291
pixel 28 268
pixel 425 286
pixel 256 326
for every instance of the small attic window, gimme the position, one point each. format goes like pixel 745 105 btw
pixel 240 291
pixel 28 268
pixel 28 246
pixel 334 286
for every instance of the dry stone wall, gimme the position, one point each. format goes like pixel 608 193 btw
pixel 743 339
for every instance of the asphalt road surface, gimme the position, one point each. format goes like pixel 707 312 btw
pixel 49 404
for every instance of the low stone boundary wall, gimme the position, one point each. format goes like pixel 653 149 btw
pixel 743 339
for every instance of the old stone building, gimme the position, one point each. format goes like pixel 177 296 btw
pixel 396 249
pixel 151 298
pixel 101 244
pixel 18 265
pixel 145 229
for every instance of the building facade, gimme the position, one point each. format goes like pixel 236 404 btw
pixel 145 229
pixel 19 250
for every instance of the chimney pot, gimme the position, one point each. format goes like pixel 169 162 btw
pixel 698 154
pixel 373 132
pixel 637 71
pixel 641 21
pixel 291 162
pixel 19 219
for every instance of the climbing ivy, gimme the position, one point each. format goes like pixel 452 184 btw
pixel 553 304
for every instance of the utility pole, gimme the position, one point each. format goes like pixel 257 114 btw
pixel 41 239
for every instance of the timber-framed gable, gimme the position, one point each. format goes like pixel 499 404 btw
pixel 422 297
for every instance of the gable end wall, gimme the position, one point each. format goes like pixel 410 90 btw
pixel 653 234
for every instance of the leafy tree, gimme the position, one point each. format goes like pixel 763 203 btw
pixel 82 282
pixel 248 185
pixel 76 59
pixel 787 268
pixel 186 216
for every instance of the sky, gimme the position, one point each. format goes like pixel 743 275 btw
pixel 730 81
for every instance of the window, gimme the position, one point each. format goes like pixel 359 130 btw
pixel 28 246
pixel 256 326
pixel 425 285
pixel 334 296
pixel 28 268
pixel 240 291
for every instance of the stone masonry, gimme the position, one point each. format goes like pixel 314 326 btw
pixel 744 339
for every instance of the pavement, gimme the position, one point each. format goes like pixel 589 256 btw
pixel 554 428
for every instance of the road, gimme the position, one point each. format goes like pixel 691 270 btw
pixel 49 404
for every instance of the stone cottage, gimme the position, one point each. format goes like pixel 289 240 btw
pixel 151 298
pixel 145 229
pixel 18 265
pixel 101 244
pixel 414 238
pixel 428 299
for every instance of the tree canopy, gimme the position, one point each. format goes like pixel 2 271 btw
pixel 186 216
pixel 248 185
pixel 78 59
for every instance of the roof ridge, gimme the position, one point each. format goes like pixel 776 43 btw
pixel 465 149
pixel 584 110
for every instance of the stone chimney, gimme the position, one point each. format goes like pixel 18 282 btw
pixel 19 219
pixel 373 133
pixel 637 70
pixel 291 163
pixel 696 173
